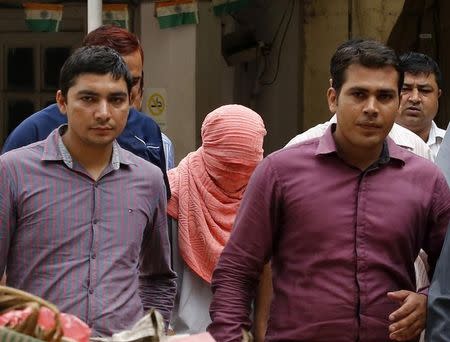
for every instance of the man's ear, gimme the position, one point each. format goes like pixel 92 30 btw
pixel 332 97
pixel 61 102
pixel 439 93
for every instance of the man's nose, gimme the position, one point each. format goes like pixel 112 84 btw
pixel 414 95
pixel 371 106
pixel 102 112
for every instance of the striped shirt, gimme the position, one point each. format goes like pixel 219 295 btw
pixel 169 152
pixel 97 249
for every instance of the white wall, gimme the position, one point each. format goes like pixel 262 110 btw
pixel 170 64
pixel 187 62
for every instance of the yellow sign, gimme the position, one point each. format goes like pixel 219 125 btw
pixel 156 104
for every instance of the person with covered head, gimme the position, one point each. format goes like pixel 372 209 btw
pixel 207 188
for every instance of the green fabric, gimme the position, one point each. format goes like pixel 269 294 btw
pixel 177 20
pixel 42 25
pixel 230 6
pixel 7 335
pixel 121 23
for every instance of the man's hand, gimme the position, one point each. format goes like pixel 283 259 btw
pixel 409 320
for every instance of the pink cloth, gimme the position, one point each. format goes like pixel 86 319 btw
pixel 208 184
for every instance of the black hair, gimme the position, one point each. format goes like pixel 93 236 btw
pixel 368 53
pixel 99 60
pixel 417 63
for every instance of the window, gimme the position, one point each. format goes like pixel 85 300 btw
pixel 20 68
pixel 29 73
pixel 54 58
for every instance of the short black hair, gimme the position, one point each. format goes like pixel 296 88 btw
pixel 99 60
pixel 368 53
pixel 417 63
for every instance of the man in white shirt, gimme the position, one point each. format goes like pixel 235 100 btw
pixel 420 98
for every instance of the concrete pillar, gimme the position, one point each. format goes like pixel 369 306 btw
pixel 94 14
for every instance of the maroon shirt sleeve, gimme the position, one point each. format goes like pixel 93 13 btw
pixel 236 276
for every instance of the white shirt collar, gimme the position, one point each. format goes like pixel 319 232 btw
pixel 436 135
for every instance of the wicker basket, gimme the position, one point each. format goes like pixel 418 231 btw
pixel 13 299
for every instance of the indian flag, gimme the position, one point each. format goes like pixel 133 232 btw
pixel 116 14
pixel 41 17
pixel 176 13
pixel 228 6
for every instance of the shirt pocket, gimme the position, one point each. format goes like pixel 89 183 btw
pixel 131 236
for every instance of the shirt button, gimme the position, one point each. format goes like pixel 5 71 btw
pixel 96 185
pixel 95 221
pixel 93 256
pixel 91 291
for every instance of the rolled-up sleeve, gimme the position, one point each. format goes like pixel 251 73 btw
pixel 236 276
pixel 157 280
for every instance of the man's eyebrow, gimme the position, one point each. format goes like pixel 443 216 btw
pixel 93 93
pixel 425 85
pixel 356 88
pixel 87 92
pixel 118 93
pixel 387 90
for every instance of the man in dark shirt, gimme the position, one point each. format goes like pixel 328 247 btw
pixel 141 136
pixel 342 218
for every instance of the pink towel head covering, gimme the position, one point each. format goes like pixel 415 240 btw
pixel 208 184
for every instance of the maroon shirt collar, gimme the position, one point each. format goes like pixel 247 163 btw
pixel 391 151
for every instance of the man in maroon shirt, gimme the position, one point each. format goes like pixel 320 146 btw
pixel 342 218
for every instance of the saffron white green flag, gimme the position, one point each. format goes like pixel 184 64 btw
pixel 228 6
pixel 41 17
pixel 116 14
pixel 176 13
